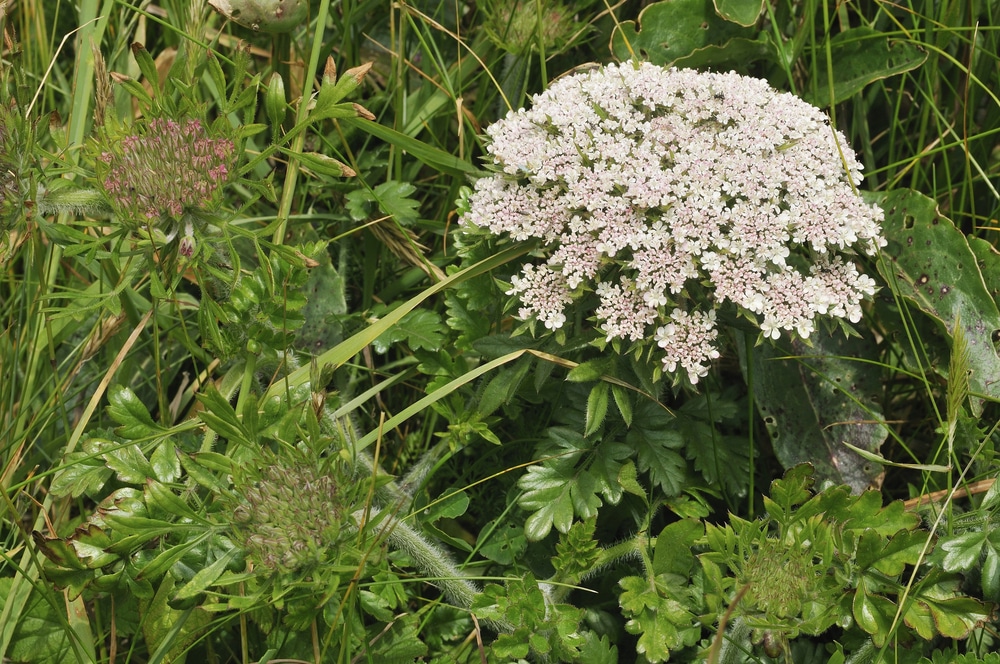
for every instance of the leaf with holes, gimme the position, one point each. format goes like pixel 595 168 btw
pixel 814 398
pixel 862 56
pixel 931 263
pixel 668 31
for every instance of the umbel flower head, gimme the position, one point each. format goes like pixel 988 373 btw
pixel 288 515
pixel 162 171
pixel 670 192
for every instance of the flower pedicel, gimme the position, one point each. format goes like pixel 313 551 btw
pixel 649 185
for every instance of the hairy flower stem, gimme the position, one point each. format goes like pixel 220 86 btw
pixel 735 644
pixel 71 201
pixel 433 561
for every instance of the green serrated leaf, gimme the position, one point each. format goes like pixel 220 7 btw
pixel 221 417
pixel 904 548
pixel 961 552
pixel 147 66
pixel 424 330
pixel 160 497
pixel 628 480
pixel 654 437
pixel 663 624
pixel 588 371
pixel 623 399
pixel 555 493
pixel 129 463
pixel 597 407
pixel 166 465
pixel 577 551
pixel 81 473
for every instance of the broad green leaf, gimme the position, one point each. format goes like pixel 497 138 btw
pixel 741 12
pixel 606 467
pixel 505 544
pixel 598 650
pixel 556 492
pixel 162 498
pixel 814 398
pixel 452 504
pixel 873 613
pixel 991 575
pixel 502 387
pixel 932 265
pixel 126 409
pixel 672 554
pixel 221 417
pixel 398 643
pixel 955 617
pixel 672 29
pixel 861 56
pixel 424 330
pixel 588 371
pixel 903 549
pixel 164 560
pixel 81 473
pixel 393 199
pixel 867 512
pixel 202 475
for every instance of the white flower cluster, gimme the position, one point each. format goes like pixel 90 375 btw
pixel 642 182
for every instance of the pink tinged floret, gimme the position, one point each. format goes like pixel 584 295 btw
pixel 675 176
pixel 169 167
pixel 543 293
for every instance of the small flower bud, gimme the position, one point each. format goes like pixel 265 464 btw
pixel 275 103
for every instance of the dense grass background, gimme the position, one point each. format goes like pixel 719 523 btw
pixel 324 328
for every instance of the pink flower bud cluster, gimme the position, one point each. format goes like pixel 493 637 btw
pixel 165 169
pixel 651 187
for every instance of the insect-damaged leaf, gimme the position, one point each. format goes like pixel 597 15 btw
pixel 932 265
pixel 815 398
